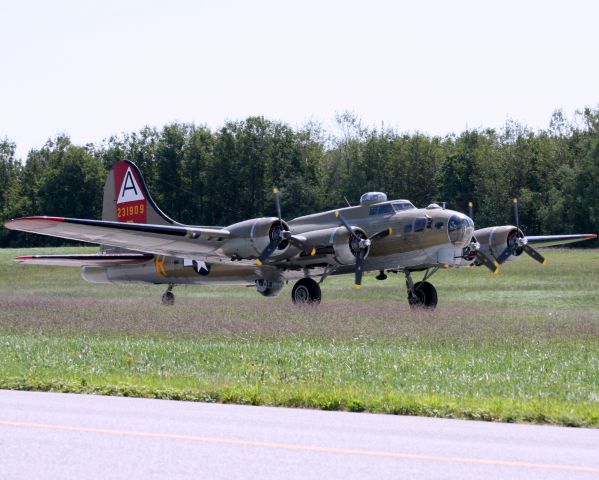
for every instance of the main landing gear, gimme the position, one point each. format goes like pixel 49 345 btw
pixel 421 294
pixel 168 297
pixel 306 292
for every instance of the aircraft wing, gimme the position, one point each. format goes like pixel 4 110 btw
pixel 540 241
pixel 85 260
pixel 171 240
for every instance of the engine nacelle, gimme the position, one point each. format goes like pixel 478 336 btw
pixel 495 240
pixel 249 238
pixel 337 242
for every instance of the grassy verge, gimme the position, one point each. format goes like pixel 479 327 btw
pixel 518 347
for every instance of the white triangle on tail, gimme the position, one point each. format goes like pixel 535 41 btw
pixel 130 190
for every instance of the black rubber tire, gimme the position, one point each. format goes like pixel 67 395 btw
pixel 425 296
pixel 269 292
pixel 168 298
pixel 306 292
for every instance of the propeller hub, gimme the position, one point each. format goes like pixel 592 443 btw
pixel 521 241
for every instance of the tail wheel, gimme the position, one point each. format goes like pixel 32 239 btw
pixel 424 295
pixel 306 292
pixel 168 298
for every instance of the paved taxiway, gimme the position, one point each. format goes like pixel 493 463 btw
pixel 52 435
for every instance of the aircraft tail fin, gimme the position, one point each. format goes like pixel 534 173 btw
pixel 127 199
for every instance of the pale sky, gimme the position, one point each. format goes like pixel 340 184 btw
pixel 96 68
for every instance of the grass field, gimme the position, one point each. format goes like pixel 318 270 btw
pixel 522 346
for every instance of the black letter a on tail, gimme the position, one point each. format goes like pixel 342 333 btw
pixel 130 190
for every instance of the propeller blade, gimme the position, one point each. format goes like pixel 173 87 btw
pixel 382 234
pixel 487 262
pixel 505 254
pixel 268 251
pixel 516 216
pixel 359 268
pixel 534 254
pixel 296 242
pixel 344 222
pixel 278 204
pixel 470 211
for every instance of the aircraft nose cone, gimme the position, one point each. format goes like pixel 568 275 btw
pixel 460 229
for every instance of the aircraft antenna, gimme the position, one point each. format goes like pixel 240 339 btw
pixel 346 201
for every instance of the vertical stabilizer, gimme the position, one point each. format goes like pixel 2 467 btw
pixel 126 197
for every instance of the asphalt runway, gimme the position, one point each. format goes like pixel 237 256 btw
pixel 58 436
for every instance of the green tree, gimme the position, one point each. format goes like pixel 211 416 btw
pixel 170 187
pixel 455 180
pixel 197 156
pixel 222 179
pixel 10 170
pixel 72 182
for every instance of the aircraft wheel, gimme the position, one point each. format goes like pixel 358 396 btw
pixel 168 298
pixel 306 292
pixel 424 296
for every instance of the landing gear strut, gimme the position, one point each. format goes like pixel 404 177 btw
pixel 421 294
pixel 306 292
pixel 168 297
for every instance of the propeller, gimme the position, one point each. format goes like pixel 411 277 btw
pixel 281 235
pixel 484 259
pixel 519 241
pixel 360 245
pixel 481 257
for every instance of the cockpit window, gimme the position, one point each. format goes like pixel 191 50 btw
pixel 399 206
pixel 386 209
pixel 381 210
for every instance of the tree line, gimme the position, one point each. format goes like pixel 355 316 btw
pixel 217 177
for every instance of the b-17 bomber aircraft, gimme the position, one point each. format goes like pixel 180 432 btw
pixel 139 243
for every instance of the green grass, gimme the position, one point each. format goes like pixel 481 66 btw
pixel 521 346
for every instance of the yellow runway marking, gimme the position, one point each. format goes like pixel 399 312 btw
pixel 301 448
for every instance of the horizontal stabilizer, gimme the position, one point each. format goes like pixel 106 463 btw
pixel 85 260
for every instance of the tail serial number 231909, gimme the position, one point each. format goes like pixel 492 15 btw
pixel 127 211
